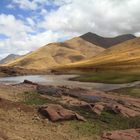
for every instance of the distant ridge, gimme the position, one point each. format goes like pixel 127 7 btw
pixel 9 58
pixel 104 41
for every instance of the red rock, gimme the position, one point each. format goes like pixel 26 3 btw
pixel 120 109
pixel 129 134
pixel 115 107
pixel 98 108
pixel 58 113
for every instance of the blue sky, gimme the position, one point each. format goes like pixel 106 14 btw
pixel 26 25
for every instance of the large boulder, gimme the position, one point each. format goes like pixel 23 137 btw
pixel 58 113
pixel 129 134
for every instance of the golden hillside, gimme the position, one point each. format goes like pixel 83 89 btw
pixel 55 54
pixel 125 55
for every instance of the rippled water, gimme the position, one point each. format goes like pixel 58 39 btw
pixel 63 80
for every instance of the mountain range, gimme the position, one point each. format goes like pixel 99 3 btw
pixel 88 50
pixel 59 53
pixel 125 55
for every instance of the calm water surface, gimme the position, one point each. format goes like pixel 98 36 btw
pixel 64 80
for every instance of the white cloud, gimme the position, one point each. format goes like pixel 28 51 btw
pixel 19 40
pixel 73 17
pixel 105 17
pixel 24 4
pixel 43 12
pixel 30 21
pixel 10 26
pixel 30 42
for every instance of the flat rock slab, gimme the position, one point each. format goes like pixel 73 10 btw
pixel 58 113
pixel 123 110
pixel 73 92
pixel 50 90
pixel 126 106
pixel 117 108
pixel 129 134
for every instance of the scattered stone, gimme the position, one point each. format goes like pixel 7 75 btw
pixel 129 134
pixel 58 113
pixel 128 107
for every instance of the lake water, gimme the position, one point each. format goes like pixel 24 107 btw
pixel 64 80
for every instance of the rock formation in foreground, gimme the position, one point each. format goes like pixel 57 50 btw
pixel 58 113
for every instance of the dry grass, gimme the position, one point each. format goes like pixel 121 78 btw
pixel 123 56
pixel 21 121
pixel 56 54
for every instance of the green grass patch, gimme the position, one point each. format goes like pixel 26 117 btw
pixel 33 98
pixel 111 77
pixel 131 91
pixel 95 125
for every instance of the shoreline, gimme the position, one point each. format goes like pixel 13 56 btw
pixel 63 80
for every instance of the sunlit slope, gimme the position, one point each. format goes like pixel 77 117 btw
pixel 124 55
pixel 55 54
pixel 86 48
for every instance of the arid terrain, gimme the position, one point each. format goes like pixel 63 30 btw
pixel 80 48
pixel 20 117
pixel 69 70
pixel 36 111
pixel 121 56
